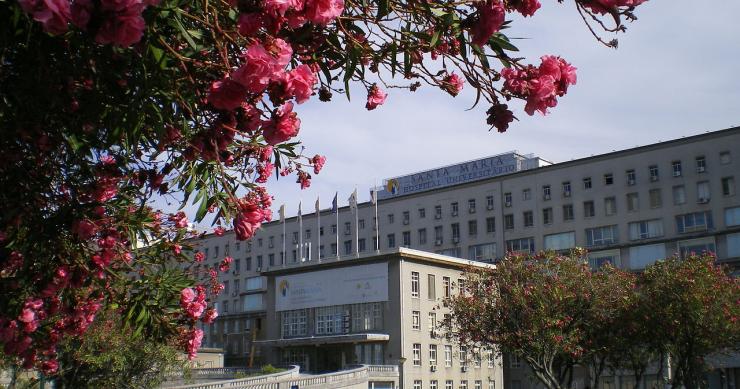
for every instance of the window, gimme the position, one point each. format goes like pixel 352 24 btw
pixel 367 316
pixel 696 246
pixel 333 250
pixel 608 179
pixel 307 235
pixel 347 228
pixel 526 194
pixel 433 384
pixel 415 284
pixel 656 198
pixel 547 216
pixel 697 221
pixel 642 256
pixel 728 186
pixel 601 236
pixel 437 211
pixel 333 229
pixel 733 245
pixel 271 259
pixel 490 225
pixel 478 384
pixel 472 227
pixel 524 245
pixel 455 232
pixel 588 209
pixel 417 354
pixel 431 287
pixel 587 183
pixel 489 202
pixel 509 222
pixel 347 247
pixel 676 166
pixel 597 259
pixel 471 206
pixel 725 157
pixel 330 320
pixel 732 217
pixel 448 384
pixel 406 236
pixel 249 263
pixel 422 213
pixel 448 356
pixel 361 244
pixel 566 189
pixel 702 192
pixel 567 212
pixel 633 202
pixel 406 217
pixel 438 235
pixel 446 287
pixel 417 384
pixel 464 384
pixel 321 229
pixel 679 195
pixel 631 179
pixel 610 206
pixel 433 354
pixel 416 320
pixel 482 252
pixel 490 359
pixel 646 229
pixel 507 199
pixel 259 262
pixel 270 243
pixel 391 218
pixel 294 322
pixel 422 236
pixel 561 241
pixel 546 192
pixel 654 175
pixel 701 164
pixel 528 219
pixel 433 324
pixel 391 240
pixel 463 357
pixel 454 209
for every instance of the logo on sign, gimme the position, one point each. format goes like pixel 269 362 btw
pixel 284 288
pixel 392 186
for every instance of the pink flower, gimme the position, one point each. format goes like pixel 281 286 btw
pixel 490 18
pixel 318 163
pixel 27 315
pixel 81 12
pixel 304 179
pixel 279 7
pixel 84 229
pixel 264 171
pixel 187 295
pixel 219 231
pixel 199 257
pixel 210 316
pixel 105 189
pixel 227 94
pixel 375 97
pixel 261 66
pixel 194 339
pixel 177 249
pixel 540 86
pixel 225 264
pixel 300 82
pixel 54 15
pixel 49 367
pixel 323 12
pixel 499 116
pixel 123 28
pixel 525 7
pixel 250 23
pixel 283 126
pixel 180 220
pixel 453 84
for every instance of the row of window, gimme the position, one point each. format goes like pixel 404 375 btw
pixel 465 358
pixel 450 384
pixel 431 287
pixel 338 319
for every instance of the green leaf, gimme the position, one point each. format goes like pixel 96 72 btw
pixel 435 39
pixel 503 42
pixel 202 209
pixel 383 9
pixel 185 33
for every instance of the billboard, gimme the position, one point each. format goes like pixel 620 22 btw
pixel 452 175
pixel 346 285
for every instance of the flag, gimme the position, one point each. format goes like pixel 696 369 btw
pixel 318 205
pixel 353 200
pixel 299 209
pixel 334 207
pixel 374 196
pixel 281 211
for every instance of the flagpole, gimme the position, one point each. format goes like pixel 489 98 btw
pixel 300 233
pixel 357 228
pixel 318 229
pixel 282 219
pixel 377 230
pixel 337 229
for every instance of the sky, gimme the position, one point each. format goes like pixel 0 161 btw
pixel 676 73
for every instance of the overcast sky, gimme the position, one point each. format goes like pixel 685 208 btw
pixel 676 73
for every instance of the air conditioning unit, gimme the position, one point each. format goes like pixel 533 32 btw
pixel 235 272
pixel 455 240
pixel 630 182
pixel 438 242
pixel 703 200
pixel 464 369
pixel 676 173
pixel 405 222
pixel 259 269
pixel 546 197
pixel 454 213
pixel 653 178
pixel 234 293
pixel 507 204
pixel 471 210
pixel 489 207
pixel 433 368
pixel 700 169
pixel 437 216
pixel 566 193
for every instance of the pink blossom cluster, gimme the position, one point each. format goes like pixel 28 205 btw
pixel 318 162
pixel 491 15
pixel 453 84
pixel 607 6
pixel 193 302
pixel 192 339
pixel 375 97
pixel 294 13
pixel 254 209
pixel 118 22
pixel 225 264
pixel 540 85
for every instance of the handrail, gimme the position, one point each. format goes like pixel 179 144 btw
pixel 243 382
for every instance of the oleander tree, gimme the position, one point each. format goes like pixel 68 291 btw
pixel 107 104
pixel 693 307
